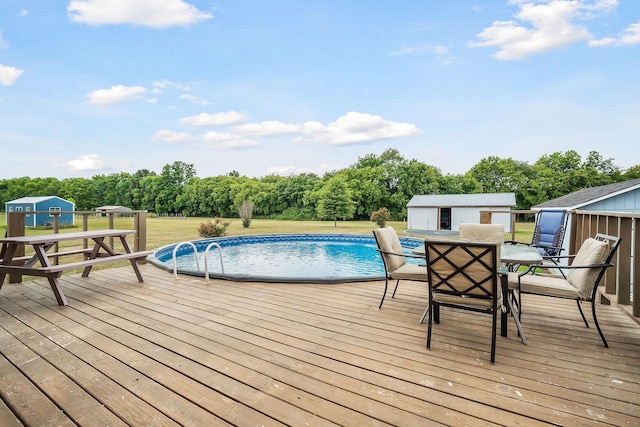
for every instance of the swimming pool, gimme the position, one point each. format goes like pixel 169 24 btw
pixel 292 258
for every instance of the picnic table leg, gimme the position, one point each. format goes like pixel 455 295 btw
pixel 94 253
pixel 57 291
pixel 41 255
pixel 134 263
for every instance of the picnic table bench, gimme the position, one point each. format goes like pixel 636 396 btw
pixel 39 264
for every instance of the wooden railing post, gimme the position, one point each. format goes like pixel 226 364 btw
pixel 140 225
pixel 15 228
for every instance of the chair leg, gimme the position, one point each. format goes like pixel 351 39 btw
pixel 595 320
pixel 582 314
pixel 494 324
pixel 395 289
pixel 429 324
pixel 386 284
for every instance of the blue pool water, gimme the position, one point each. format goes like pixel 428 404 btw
pixel 312 258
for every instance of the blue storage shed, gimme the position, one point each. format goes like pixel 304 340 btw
pixel 46 204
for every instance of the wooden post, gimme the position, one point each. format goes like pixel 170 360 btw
pixel 15 228
pixel 140 225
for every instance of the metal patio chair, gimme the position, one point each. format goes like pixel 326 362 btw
pixel 463 275
pixel 395 262
pixel 578 281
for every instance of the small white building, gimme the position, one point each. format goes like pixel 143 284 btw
pixel 119 211
pixel 448 211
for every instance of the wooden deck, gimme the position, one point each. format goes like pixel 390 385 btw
pixel 188 352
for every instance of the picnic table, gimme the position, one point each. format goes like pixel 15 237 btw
pixel 40 263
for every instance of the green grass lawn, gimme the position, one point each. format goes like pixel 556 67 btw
pixel 164 231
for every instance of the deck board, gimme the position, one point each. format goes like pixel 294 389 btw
pixel 189 352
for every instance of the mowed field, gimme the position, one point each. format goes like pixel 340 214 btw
pixel 164 231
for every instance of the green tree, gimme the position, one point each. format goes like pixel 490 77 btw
pixel 173 179
pixel 497 175
pixel 334 201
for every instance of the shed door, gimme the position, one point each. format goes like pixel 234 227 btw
pixel 444 215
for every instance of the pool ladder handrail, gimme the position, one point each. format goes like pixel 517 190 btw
pixel 195 255
pixel 206 264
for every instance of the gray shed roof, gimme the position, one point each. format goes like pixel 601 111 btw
pixel 587 196
pixel 463 200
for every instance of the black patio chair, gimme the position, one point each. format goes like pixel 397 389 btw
pixel 578 281
pixel 463 275
pixel 395 262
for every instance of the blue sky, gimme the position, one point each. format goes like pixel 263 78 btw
pixel 105 86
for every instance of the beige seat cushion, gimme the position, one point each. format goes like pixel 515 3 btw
pixel 555 286
pixel 388 241
pixel 410 272
pixel 579 282
pixel 482 232
pixel 591 252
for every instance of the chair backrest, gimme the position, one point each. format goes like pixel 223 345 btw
pixel 388 241
pixel 596 250
pixel 461 268
pixel 482 232
pixel 549 229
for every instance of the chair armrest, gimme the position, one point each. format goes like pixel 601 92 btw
pixel 402 254
pixel 532 267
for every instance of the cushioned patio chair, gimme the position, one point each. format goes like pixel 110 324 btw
pixel 548 233
pixel 463 275
pixel 578 281
pixel 395 262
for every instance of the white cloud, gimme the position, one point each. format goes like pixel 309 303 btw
pixel 632 34
pixel 149 13
pixel 268 128
pixel 116 94
pixel 352 128
pixel 359 128
pixel 194 99
pixel 603 42
pixel 227 141
pixel 9 75
pixel 172 137
pixel 216 119
pixel 86 162
pixel 543 25
pixel 23 12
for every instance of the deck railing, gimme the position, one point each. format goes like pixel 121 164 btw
pixel 619 281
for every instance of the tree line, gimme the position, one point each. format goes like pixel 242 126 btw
pixel 373 182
